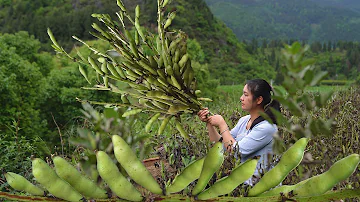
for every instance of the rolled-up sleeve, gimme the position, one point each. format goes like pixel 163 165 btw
pixel 258 138
pixel 236 129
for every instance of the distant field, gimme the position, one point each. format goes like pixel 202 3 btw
pixel 237 89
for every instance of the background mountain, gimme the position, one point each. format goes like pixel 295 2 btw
pixel 264 24
pixel 308 20
pixel 217 45
pixel 348 4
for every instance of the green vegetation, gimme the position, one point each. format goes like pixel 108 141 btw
pixel 227 59
pixel 40 114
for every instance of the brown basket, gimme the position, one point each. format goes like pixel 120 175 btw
pixel 154 166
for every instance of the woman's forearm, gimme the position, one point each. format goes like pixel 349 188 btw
pixel 213 134
pixel 228 139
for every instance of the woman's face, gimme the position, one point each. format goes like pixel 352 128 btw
pixel 246 99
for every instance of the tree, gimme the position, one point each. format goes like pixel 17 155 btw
pixel 329 46
pixel 21 86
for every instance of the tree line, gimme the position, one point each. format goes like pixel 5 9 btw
pixel 279 19
pixel 339 58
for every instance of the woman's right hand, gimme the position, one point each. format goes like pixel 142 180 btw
pixel 202 114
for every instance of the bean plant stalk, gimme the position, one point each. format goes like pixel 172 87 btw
pixel 156 68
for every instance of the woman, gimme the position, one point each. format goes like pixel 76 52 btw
pixel 252 135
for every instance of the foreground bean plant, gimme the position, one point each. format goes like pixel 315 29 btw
pixel 68 185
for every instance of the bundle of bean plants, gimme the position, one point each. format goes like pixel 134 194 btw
pixel 156 67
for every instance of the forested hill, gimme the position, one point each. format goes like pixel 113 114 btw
pixel 227 59
pixel 73 17
pixel 310 20
pixel 348 4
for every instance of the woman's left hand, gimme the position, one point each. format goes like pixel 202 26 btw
pixel 216 120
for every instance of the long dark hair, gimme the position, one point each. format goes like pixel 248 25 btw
pixel 260 87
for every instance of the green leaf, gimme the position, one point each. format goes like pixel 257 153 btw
pixel 83 132
pixel 280 118
pixel 288 84
pixel 314 127
pixel 99 36
pixel 299 131
pixel 325 97
pixel 294 108
pixel 308 76
pixel 279 92
pixel 309 103
pixel 279 146
pixel 282 100
pixel 308 62
pixel 89 110
pixel 141 138
pixel 111 113
pixel 318 77
pixel 295 48
pixel 80 142
pixel 266 117
pixel 322 98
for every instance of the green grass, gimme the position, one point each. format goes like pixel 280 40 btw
pixel 237 89
pixel 326 88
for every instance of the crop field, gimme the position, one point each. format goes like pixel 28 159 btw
pixel 321 152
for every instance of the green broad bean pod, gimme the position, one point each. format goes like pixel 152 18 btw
pixel 77 180
pixel 124 99
pixel 289 160
pixel 212 163
pixel 131 112
pixel 151 122
pixel 48 178
pixel 181 130
pixel 167 23
pixel 133 166
pixel 115 180
pixel 175 108
pixel 113 71
pixel 282 189
pixel 165 2
pixel 175 83
pixel 83 73
pixel 188 175
pixel 95 66
pixel 20 183
pixel 131 40
pixel 227 184
pixel 121 5
pixel 52 38
pixel 338 172
pixel 183 60
pixel 164 122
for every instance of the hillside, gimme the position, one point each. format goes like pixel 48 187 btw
pixel 70 17
pixel 309 20
pixel 227 58
pixel 353 5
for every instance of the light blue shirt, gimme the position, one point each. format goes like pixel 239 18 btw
pixel 255 142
